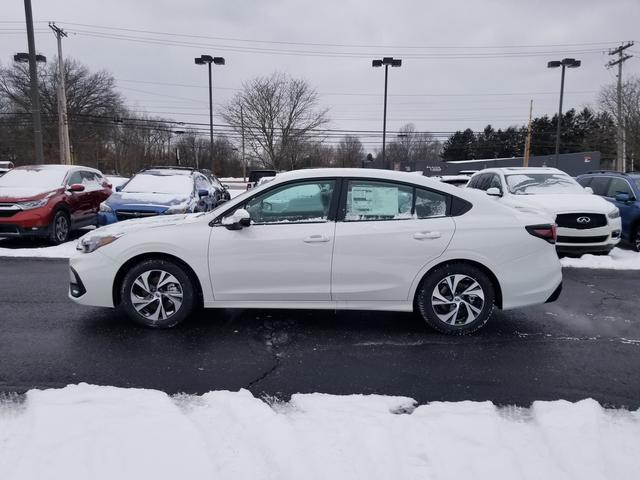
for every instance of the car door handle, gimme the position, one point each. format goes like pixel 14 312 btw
pixel 316 239
pixel 426 235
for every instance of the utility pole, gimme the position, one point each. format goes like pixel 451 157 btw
pixel 527 143
pixel 244 162
pixel 63 125
pixel 35 94
pixel 622 57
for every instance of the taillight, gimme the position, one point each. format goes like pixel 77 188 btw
pixel 546 232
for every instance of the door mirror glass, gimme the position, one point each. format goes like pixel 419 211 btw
pixel 237 220
pixel 494 192
pixel 119 188
pixel 76 187
pixel 622 197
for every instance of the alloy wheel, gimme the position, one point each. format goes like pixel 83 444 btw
pixel 61 227
pixel 457 300
pixel 636 240
pixel 156 295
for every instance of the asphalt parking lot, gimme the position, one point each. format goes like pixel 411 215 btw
pixel 585 345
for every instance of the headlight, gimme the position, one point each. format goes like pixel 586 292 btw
pixel 33 204
pixel 105 208
pixel 176 209
pixel 614 214
pixel 92 243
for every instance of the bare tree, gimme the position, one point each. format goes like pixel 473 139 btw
pixel 608 101
pixel 349 152
pixel 279 114
pixel 411 148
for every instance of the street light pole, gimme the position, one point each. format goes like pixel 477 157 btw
pixel 208 60
pixel 564 63
pixel 35 94
pixel 386 61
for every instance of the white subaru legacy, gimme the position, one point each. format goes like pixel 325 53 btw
pixel 586 222
pixel 359 239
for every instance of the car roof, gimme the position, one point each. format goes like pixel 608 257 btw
pixel 65 168
pixel 522 170
pixel 166 172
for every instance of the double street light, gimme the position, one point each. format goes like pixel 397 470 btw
pixel 387 62
pixel 208 60
pixel 564 63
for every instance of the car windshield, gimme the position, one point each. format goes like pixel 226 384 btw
pixel 637 180
pixel 542 184
pixel 34 177
pixel 157 183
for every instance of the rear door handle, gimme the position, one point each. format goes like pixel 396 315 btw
pixel 426 235
pixel 316 239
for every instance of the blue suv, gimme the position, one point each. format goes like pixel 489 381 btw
pixel 623 190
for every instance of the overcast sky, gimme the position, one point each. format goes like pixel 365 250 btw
pixel 445 83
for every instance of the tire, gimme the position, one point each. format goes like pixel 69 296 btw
pixel 460 312
pixel 60 228
pixel 635 239
pixel 157 293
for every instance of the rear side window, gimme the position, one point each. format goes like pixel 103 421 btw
pixel 599 185
pixel 618 185
pixel 430 204
pixel 585 181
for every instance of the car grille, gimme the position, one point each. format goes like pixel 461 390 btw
pixel 13 229
pixel 598 239
pixel 128 214
pixel 8 210
pixel 581 221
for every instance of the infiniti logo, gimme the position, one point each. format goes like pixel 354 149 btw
pixel 583 219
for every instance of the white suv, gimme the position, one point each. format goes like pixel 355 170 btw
pixel 586 222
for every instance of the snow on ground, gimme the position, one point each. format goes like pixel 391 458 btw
pixel 64 250
pixel 86 431
pixel 618 259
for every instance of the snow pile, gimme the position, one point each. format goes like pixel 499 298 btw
pixel 85 431
pixel 64 250
pixel 618 259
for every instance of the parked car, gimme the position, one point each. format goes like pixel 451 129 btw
pixel 455 180
pixel 5 167
pixel 623 190
pixel 160 191
pixel 50 200
pixel 256 175
pixel 116 180
pixel 223 189
pixel 586 223
pixel 327 239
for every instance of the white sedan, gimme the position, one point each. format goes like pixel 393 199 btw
pixel 358 239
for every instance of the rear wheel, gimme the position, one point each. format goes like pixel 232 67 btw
pixel 635 238
pixel 456 299
pixel 157 293
pixel 60 228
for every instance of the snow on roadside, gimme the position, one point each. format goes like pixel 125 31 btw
pixel 618 259
pixel 84 431
pixel 64 250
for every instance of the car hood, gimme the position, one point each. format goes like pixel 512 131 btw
pixel 131 199
pixel 21 194
pixel 131 226
pixel 560 203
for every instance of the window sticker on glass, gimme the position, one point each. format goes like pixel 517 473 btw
pixel 374 201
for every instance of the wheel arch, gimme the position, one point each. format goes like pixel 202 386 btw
pixel 487 271
pixel 122 271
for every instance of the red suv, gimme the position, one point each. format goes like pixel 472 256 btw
pixel 50 200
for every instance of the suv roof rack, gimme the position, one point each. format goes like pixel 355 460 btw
pixel 169 167
pixel 606 171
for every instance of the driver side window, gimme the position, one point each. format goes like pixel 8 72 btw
pixel 294 203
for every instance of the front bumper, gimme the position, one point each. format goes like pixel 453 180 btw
pixel 589 240
pixel 27 223
pixel 91 279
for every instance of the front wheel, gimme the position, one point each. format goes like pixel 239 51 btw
pixel 157 293
pixel 60 228
pixel 456 299
pixel 635 239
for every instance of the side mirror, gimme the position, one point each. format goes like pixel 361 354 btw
pixel 119 188
pixel 76 187
pixel 237 220
pixel 203 192
pixel 623 197
pixel 589 190
pixel 494 192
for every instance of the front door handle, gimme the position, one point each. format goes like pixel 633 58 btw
pixel 426 235
pixel 316 239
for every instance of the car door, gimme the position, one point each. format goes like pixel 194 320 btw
pixel 620 185
pixel 385 235
pixel 285 255
pixel 208 202
pixel 79 202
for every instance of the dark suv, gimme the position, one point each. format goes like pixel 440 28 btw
pixel 623 190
